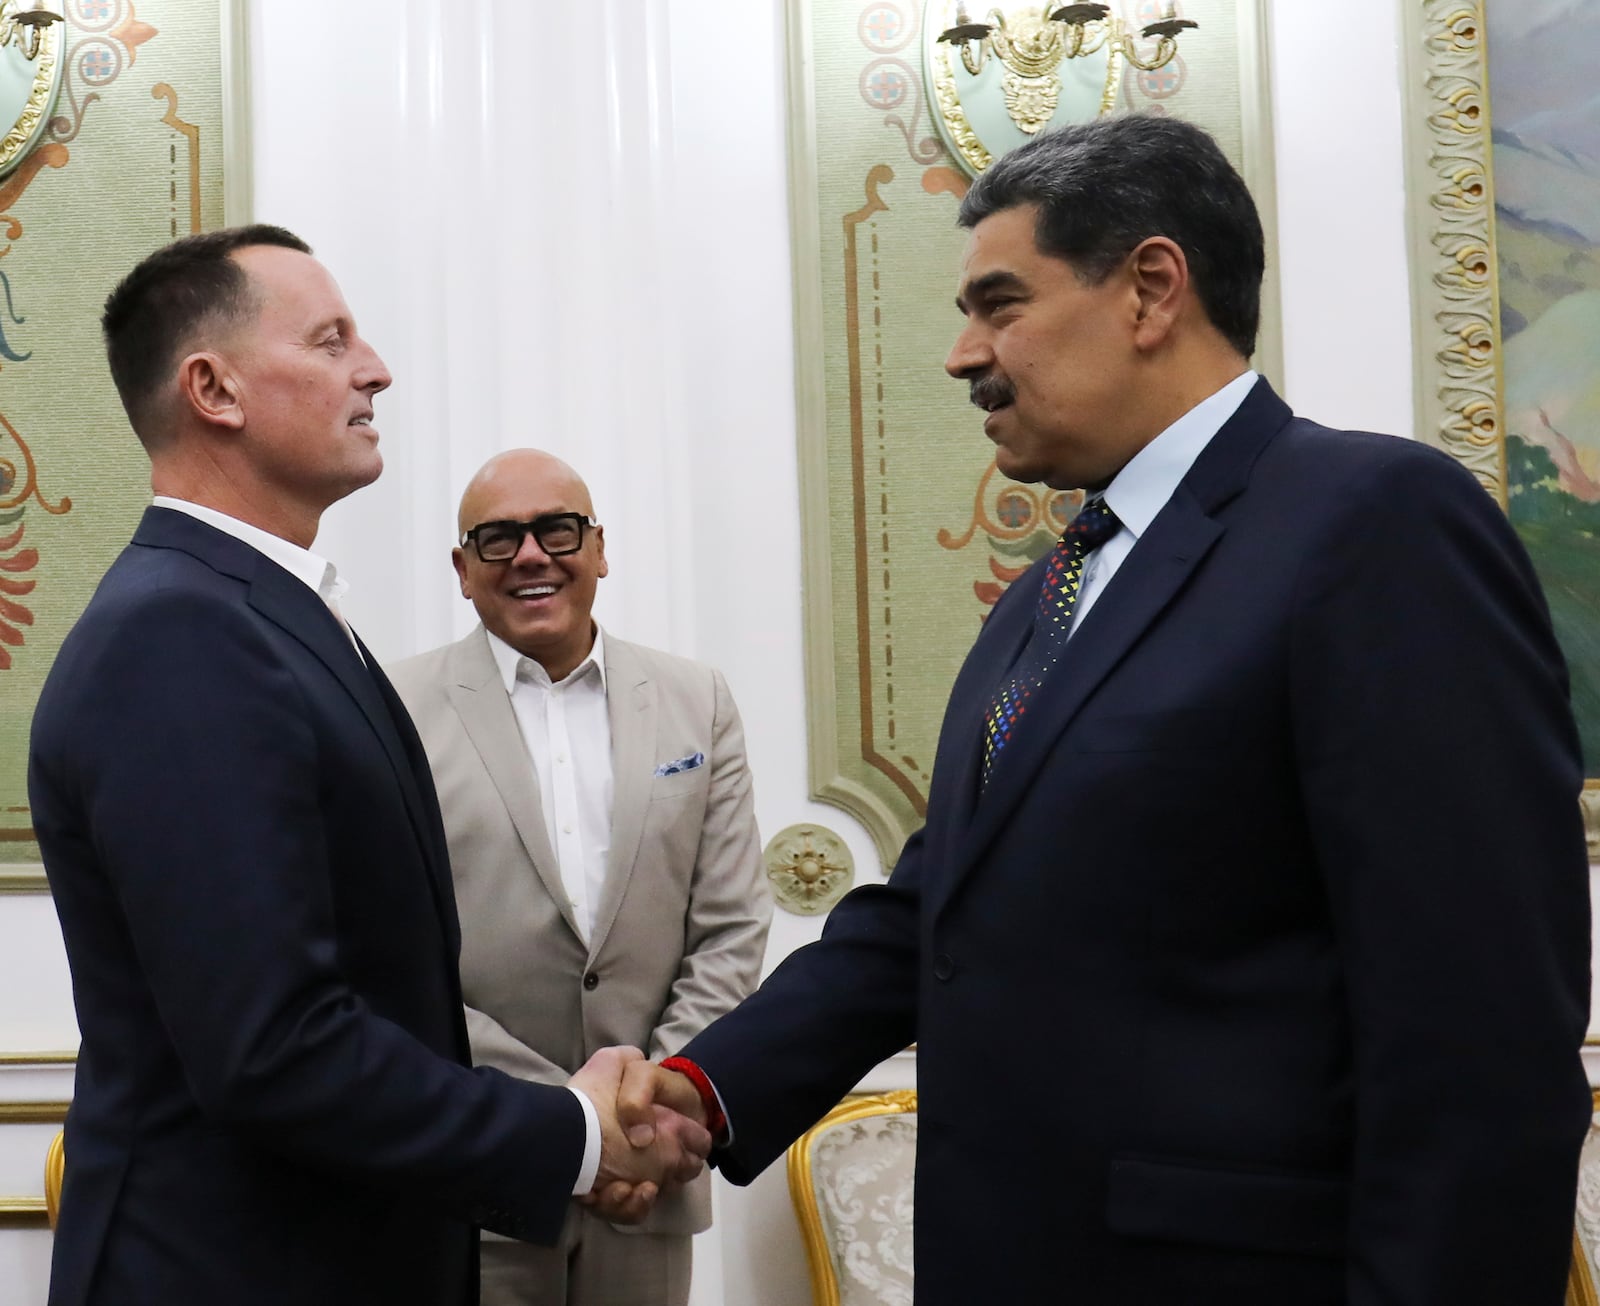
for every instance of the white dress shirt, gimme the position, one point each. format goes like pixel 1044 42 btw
pixel 1141 489
pixel 321 578
pixel 567 733
pixel 316 571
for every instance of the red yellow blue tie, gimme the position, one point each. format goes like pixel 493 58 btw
pixel 1058 597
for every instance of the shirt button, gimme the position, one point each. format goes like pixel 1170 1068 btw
pixel 944 966
pixel 591 981
pixel 566 829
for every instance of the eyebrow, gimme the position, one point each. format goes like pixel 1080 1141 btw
pixel 343 325
pixel 986 286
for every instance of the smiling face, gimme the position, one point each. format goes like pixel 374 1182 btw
pixel 537 604
pixel 305 383
pixel 1051 358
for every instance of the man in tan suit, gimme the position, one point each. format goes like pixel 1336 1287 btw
pixel 603 843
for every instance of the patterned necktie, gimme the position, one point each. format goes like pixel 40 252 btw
pixel 1058 597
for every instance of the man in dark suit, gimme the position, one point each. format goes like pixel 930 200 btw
pixel 1246 944
pixel 273 1102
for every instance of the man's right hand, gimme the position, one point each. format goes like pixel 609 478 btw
pixel 655 1146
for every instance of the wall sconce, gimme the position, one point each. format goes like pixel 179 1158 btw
pixel 1030 67
pixel 1034 45
pixel 24 28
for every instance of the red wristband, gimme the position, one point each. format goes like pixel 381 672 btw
pixel 716 1121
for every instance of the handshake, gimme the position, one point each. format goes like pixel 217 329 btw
pixel 653 1132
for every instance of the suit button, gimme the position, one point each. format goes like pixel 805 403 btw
pixel 944 966
pixel 591 981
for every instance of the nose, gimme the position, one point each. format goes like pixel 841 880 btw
pixel 970 356
pixel 372 376
pixel 528 553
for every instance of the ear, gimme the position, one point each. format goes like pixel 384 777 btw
pixel 1160 274
pixel 458 560
pixel 209 389
pixel 600 548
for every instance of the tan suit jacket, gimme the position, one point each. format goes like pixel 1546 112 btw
pixel 681 926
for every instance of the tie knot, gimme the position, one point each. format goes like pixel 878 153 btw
pixel 1093 526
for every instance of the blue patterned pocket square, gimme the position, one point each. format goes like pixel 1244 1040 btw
pixel 682 764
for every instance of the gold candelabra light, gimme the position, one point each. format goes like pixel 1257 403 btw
pixel 1032 44
pixel 24 28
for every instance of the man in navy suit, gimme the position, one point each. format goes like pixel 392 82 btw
pixel 274 1102
pixel 1246 945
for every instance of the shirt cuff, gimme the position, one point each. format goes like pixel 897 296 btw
pixel 591 1144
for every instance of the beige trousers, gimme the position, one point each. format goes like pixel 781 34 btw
pixel 591 1265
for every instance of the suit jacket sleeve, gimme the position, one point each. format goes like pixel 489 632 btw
pixel 1440 771
pixel 215 845
pixel 729 910
pixel 826 1016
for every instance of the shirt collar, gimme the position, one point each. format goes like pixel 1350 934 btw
pixel 316 571
pixel 1141 489
pixel 508 662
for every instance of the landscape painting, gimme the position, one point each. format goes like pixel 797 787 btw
pixel 1545 145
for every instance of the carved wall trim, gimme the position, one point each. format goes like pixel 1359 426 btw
pixel 1455 294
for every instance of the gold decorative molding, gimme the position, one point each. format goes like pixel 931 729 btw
pixel 29 124
pixel 809 868
pixel 29 1059
pixel 33 1113
pixel 948 104
pixel 1455 286
pixel 23 1213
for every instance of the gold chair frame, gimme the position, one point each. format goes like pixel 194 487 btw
pixel 55 1169
pixel 803 1193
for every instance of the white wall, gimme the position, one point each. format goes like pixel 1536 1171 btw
pixel 566 225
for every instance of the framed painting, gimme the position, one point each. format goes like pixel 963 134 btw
pixel 1504 197
pixel 910 534
pixel 132 137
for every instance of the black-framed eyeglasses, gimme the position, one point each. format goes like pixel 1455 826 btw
pixel 558 533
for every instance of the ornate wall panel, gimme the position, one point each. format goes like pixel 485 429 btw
pixel 910 533
pixel 1505 181
pixel 131 158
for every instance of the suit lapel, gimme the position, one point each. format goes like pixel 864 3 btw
pixel 631 706
pixel 294 607
pixel 1149 577
pixel 1147 582
pixel 480 700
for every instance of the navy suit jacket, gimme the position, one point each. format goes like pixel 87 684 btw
pixel 273 1103
pixel 1257 975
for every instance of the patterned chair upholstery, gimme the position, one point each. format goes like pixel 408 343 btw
pixel 1586 1233
pixel 850 1179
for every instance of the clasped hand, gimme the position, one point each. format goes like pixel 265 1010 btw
pixel 645 1145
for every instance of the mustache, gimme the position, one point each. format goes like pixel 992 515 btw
pixel 991 390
